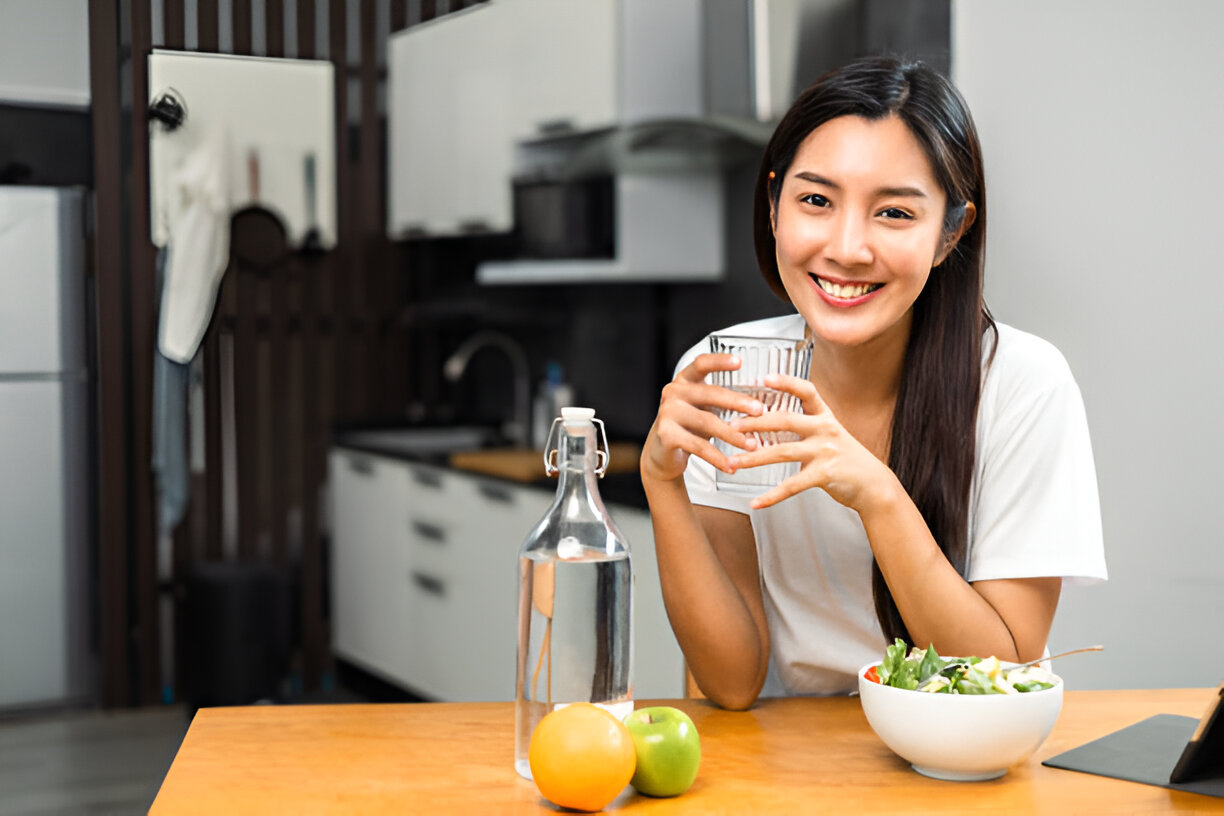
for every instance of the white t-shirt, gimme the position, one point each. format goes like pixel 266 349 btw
pixel 1034 512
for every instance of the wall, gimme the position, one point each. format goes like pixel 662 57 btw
pixel 44 52
pixel 1101 126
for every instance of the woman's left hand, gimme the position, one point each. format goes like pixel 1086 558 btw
pixel 830 457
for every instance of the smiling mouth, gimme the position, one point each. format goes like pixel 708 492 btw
pixel 845 291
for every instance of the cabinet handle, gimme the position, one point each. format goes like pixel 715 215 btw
pixel 495 492
pixel 474 226
pixel 426 478
pixel 430 532
pixel 430 584
pixel 361 465
pixel 554 126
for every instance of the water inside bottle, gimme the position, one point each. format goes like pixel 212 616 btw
pixel 575 635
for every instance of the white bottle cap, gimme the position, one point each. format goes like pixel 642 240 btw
pixel 577 416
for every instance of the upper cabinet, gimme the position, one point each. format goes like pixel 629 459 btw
pixel 566 65
pixel 450 124
pixel 467 87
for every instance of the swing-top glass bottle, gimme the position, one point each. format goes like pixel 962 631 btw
pixel 575 635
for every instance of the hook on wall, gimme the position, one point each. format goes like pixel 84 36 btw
pixel 169 110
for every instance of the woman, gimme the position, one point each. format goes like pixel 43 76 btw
pixel 946 486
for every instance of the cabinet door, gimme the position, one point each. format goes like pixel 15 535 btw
pixel 566 64
pixel 450 148
pixel 421 124
pixel 366 561
pixel 658 663
pixel 466 609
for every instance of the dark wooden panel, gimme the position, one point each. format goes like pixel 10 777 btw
pixel 143 331
pixel 306 28
pixel 313 444
pixel 338 284
pixel 399 15
pixel 274 13
pixel 246 413
pixel 173 24
pixel 213 466
pixel 279 424
pixel 240 15
pixel 208 26
pixel 112 419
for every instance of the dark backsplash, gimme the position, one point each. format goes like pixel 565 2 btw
pixel 618 343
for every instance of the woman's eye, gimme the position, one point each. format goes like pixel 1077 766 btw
pixel 815 199
pixel 894 212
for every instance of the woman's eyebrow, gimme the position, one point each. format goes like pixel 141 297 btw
pixel 893 192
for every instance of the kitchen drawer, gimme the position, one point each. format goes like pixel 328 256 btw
pixel 366 558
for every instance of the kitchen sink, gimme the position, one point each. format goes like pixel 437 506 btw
pixel 424 441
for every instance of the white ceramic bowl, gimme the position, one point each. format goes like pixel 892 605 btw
pixel 961 737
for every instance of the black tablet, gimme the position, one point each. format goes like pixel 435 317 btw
pixel 1204 753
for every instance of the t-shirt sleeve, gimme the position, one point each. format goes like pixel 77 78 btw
pixel 1036 510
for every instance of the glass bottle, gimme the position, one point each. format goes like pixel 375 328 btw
pixel 575 636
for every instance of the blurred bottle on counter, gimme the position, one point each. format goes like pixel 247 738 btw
pixel 575 616
pixel 553 395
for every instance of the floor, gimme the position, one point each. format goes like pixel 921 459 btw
pixel 111 763
pixel 87 762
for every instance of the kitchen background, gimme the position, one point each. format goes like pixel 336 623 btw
pixel 1101 137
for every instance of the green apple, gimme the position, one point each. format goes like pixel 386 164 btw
pixel 668 750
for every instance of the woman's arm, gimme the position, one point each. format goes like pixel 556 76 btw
pixel 1008 618
pixel 707 556
pixel 711 588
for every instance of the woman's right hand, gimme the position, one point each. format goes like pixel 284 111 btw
pixel 686 420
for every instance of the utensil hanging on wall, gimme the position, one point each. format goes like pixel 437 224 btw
pixel 168 110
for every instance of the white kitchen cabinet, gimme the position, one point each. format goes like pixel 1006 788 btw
pixel 466 88
pixel 425 579
pixel 450 153
pixel 565 65
pixel 367 560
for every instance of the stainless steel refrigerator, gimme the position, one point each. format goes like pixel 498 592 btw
pixel 44 449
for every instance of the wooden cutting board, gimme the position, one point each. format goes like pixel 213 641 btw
pixel 521 465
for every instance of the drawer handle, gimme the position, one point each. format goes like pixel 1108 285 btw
pixel 425 477
pixel 496 492
pixel 431 532
pixel 361 465
pixel 430 584
pixel 551 127
pixel 474 226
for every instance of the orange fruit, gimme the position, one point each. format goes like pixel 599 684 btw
pixel 581 757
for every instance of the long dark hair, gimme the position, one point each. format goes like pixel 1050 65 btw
pixel 934 422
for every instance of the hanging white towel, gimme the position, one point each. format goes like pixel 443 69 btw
pixel 199 237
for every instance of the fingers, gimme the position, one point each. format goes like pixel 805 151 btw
pixel 704 364
pixel 783 490
pixel 805 390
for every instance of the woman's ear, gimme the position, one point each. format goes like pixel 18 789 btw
pixel 950 242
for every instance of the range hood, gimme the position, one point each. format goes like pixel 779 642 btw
pixel 700 85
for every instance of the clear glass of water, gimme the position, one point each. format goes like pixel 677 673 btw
pixel 760 356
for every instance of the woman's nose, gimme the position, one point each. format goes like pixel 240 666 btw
pixel 848 244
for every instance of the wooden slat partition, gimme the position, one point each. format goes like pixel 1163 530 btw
pixel 296 344
pixel 112 421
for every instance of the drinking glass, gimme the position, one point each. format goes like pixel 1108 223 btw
pixel 760 356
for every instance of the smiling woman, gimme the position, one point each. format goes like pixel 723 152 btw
pixel 946 480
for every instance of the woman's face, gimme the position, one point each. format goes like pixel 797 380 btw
pixel 858 228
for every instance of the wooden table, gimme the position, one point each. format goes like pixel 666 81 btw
pixel 783 756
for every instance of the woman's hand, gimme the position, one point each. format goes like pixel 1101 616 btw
pixel 830 457
pixel 687 420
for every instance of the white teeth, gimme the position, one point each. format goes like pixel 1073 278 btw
pixel 846 291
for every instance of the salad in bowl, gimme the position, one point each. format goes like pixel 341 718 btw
pixel 927 671
pixel 958 718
